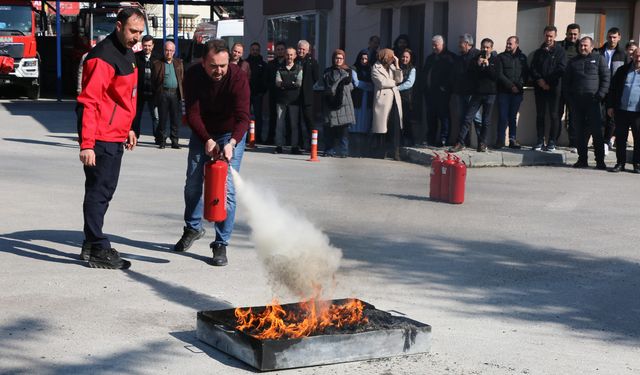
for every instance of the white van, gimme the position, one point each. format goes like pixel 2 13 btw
pixel 231 31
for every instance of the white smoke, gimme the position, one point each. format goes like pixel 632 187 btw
pixel 296 254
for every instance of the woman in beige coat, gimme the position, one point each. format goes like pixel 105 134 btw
pixel 387 105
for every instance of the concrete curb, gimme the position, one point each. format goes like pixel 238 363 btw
pixel 503 158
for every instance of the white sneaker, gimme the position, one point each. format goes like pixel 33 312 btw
pixel 574 150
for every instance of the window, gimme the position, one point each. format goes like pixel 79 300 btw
pixel 595 19
pixel 532 19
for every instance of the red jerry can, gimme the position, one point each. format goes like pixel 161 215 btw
pixel 445 180
pixel 434 180
pixel 458 181
pixel 215 190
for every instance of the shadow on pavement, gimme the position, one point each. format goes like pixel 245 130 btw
pixel 189 338
pixel 44 143
pixel 17 337
pixel 21 243
pixel 510 279
pixel 409 197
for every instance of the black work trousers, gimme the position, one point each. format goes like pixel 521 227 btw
pixel 548 101
pixel 624 121
pixel 100 184
pixel 485 101
pixel 169 108
pixel 587 119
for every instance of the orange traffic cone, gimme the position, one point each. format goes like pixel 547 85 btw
pixel 252 134
pixel 314 146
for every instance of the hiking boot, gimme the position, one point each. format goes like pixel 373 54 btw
pixel 457 148
pixel 107 259
pixel 85 253
pixel 189 236
pixel 219 255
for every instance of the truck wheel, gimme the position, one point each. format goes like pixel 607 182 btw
pixel 34 92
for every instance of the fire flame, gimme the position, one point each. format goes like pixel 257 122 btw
pixel 311 316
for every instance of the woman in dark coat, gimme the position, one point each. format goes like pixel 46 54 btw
pixel 339 106
pixel 362 104
pixel 406 93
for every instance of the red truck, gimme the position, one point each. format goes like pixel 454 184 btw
pixel 18 41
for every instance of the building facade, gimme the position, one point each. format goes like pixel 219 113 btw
pixel 348 24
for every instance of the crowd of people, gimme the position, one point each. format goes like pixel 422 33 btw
pixel 368 107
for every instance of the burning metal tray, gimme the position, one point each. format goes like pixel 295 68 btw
pixel 384 336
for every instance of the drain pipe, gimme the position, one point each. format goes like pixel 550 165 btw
pixel 343 23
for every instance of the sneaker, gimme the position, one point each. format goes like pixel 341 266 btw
pixel 457 148
pixel 537 147
pixel 573 150
pixel 296 151
pixel 482 147
pixel 189 236
pixel 513 144
pixel 219 255
pixel 551 146
pixel 85 253
pixel 636 168
pixel 175 146
pixel 107 259
pixel 581 164
pixel 278 150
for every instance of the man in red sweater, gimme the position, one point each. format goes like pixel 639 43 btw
pixel 217 103
pixel 107 107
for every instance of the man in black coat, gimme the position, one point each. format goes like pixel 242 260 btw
pixel 272 68
pixel 616 57
pixel 144 62
pixel 484 76
pixel 585 84
pixel 258 84
pixel 462 82
pixel 547 68
pixel 571 46
pixel 437 91
pixel 310 75
pixel 512 76
pixel 623 104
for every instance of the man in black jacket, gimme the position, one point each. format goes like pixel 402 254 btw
pixel 570 45
pixel 484 75
pixel 288 81
pixel 437 91
pixel 144 62
pixel 623 104
pixel 547 68
pixel 462 82
pixel 258 83
pixel 584 84
pixel 310 75
pixel 272 68
pixel 616 57
pixel 512 75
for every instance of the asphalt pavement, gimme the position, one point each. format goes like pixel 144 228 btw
pixel 538 272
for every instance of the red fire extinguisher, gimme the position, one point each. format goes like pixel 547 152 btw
pixel 436 175
pixel 458 181
pixel 445 179
pixel 215 190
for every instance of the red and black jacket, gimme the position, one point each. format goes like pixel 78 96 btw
pixel 108 98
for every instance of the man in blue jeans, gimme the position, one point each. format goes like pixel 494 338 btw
pixel 512 75
pixel 217 102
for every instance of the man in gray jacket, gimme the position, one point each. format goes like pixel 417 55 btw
pixel 584 85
